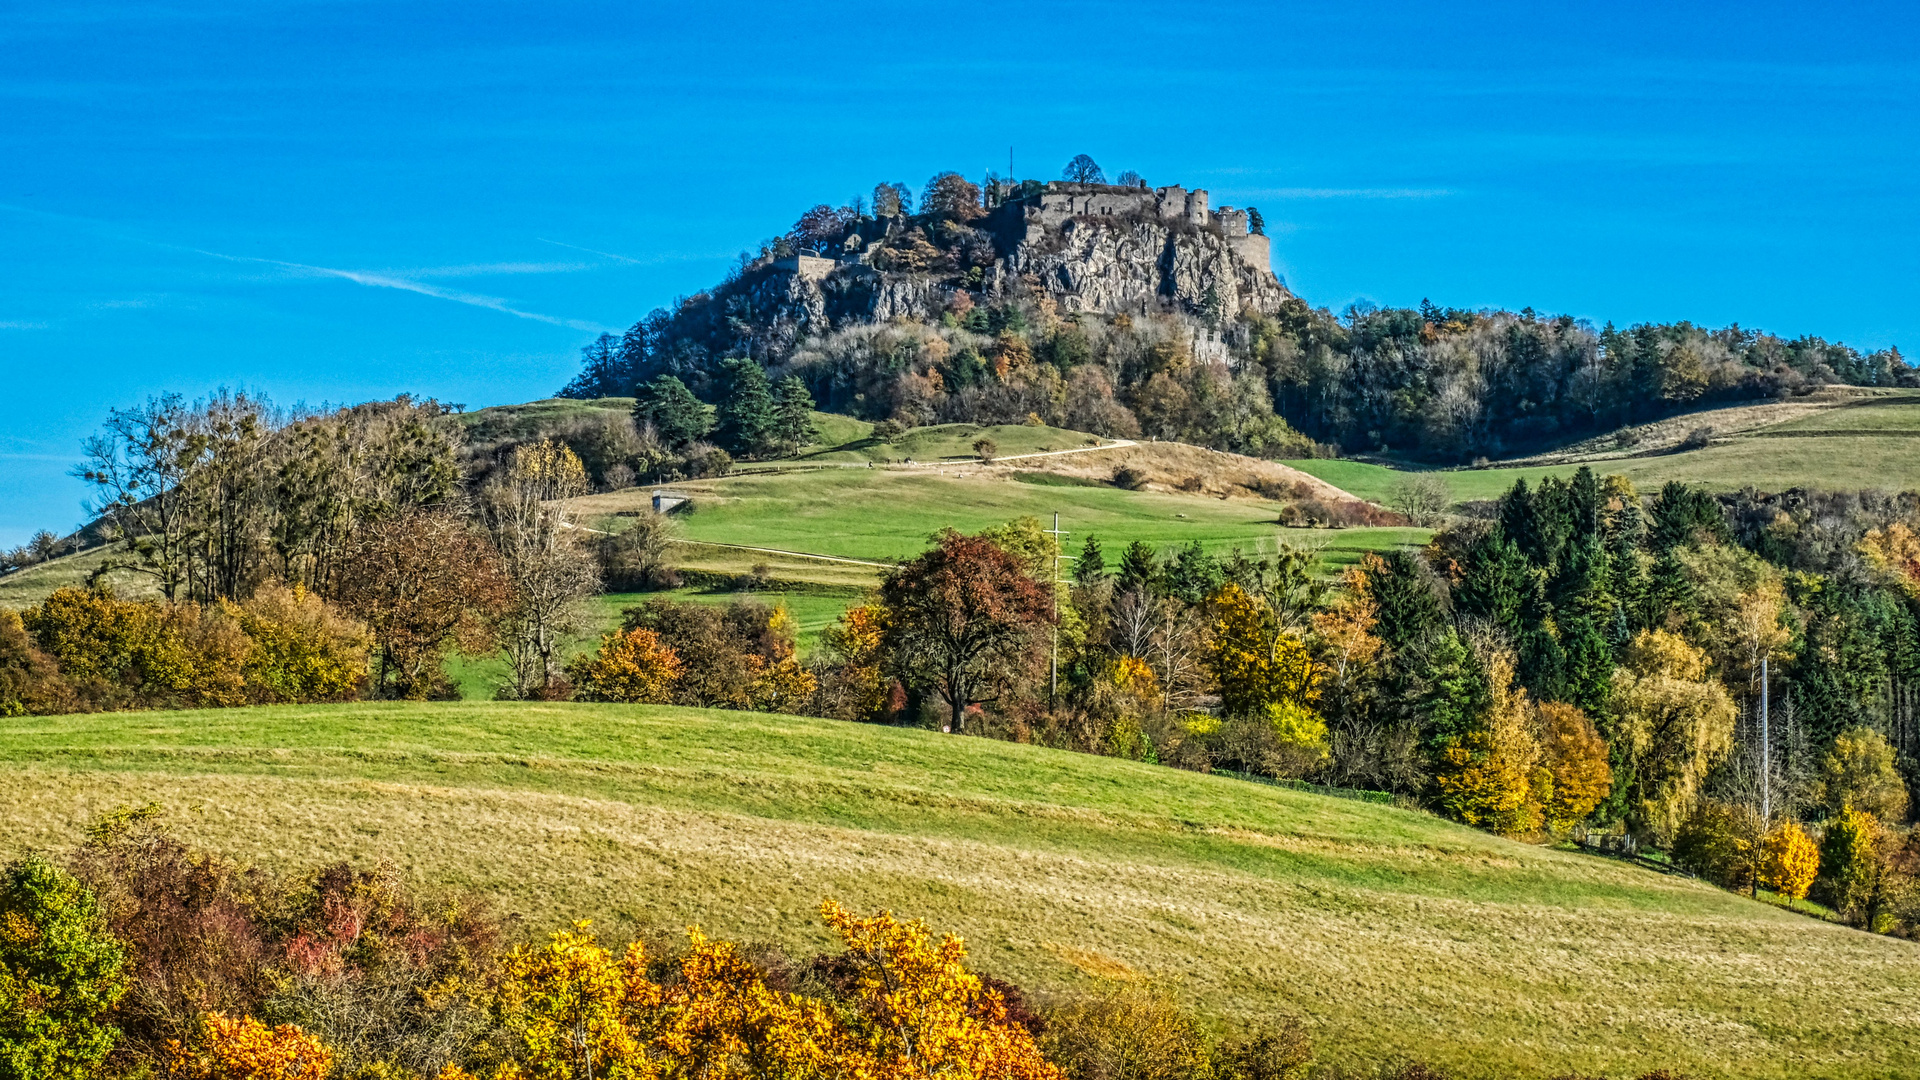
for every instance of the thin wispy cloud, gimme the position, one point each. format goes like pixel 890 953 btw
pixel 389 281
pixel 17 324
pixel 1352 193
pixel 656 260
pixel 491 269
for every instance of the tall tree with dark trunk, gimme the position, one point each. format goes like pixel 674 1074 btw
pixel 960 617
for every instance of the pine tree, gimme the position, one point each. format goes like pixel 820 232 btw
pixel 1091 566
pixel 792 415
pixel 678 417
pixel 1137 570
pixel 1409 612
pixel 1496 582
pixel 746 416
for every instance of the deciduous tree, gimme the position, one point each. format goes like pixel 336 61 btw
pixel 423 582
pixel 960 618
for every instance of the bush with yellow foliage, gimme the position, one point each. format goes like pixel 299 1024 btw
pixel 910 1010
pixel 1789 861
pixel 243 1048
pixel 631 666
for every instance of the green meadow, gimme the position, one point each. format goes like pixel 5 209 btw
pixel 1389 930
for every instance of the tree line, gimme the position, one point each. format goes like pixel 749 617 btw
pixel 138 955
pixel 1583 661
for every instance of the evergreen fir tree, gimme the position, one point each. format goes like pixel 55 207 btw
pixel 1409 612
pixel 1091 567
pixel 792 415
pixel 1496 582
pixel 1584 610
pixel 1584 504
pixel 1137 570
pixel 746 415
pixel 678 417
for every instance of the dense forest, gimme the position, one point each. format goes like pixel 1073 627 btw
pixel 1432 383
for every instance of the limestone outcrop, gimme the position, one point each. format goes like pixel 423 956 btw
pixel 1092 248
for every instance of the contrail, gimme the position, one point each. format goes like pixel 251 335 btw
pixel 383 281
pixel 590 251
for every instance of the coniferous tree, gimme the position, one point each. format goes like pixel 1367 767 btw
pixel 746 416
pixel 1137 570
pixel 1584 611
pixel 1091 566
pixel 678 417
pixel 1409 612
pixel 792 415
pixel 1496 582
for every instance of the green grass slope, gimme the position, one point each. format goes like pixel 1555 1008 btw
pixel 1391 931
pixel 885 515
pixel 1858 443
pixel 844 440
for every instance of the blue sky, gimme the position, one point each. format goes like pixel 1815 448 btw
pixel 333 201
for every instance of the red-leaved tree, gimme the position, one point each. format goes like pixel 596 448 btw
pixel 960 618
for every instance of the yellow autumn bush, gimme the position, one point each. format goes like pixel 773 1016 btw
pixel 245 1049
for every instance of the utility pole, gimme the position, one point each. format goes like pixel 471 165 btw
pixel 1053 663
pixel 1766 750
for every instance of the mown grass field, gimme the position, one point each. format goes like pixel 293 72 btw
pixel 1867 443
pixel 1391 931
pixel 888 515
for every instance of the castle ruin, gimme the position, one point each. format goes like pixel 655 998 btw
pixel 1062 200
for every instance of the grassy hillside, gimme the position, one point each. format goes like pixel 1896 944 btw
pixel 888 515
pixel 1392 931
pixel 1860 441
pixel 844 440
pixel 33 584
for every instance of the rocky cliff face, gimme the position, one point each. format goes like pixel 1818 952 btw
pixel 1099 265
pixel 1136 266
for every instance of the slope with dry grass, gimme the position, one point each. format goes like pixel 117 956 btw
pixel 1391 931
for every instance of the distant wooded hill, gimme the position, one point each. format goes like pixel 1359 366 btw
pixel 992 305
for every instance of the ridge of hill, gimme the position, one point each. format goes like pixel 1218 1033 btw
pixel 1391 931
pixel 1842 439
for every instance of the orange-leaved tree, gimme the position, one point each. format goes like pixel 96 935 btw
pixel 630 666
pixel 246 1049
pixel 961 617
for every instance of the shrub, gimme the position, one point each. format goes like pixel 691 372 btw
pixel 889 431
pixel 985 449
pixel 1129 1032
pixel 1284 1053
pixel 1850 864
pixel 636 556
pixel 301 648
pixel 30 680
pixel 1129 478
pixel 60 974
pixel 734 656
pixel 246 1049
pixel 630 666
pixel 1719 842
pixel 1789 861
